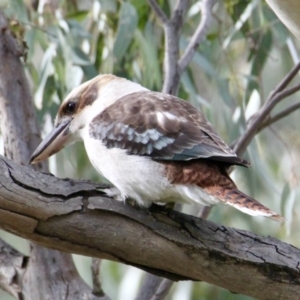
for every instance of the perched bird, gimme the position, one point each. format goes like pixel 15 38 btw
pixel 152 147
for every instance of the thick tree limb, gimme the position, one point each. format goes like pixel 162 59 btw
pixel 48 274
pixel 74 217
pixel 18 122
pixel 59 267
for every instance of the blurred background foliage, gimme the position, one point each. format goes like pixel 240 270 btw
pixel 246 53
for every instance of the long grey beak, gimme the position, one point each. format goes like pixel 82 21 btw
pixel 52 143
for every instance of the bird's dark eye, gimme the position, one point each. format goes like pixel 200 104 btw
pixel 70 107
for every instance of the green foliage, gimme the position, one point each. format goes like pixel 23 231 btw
pixel 126 26
pixel 244 56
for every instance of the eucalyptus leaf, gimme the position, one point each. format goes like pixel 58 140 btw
pixel 148 51
pixel 79 57
pixel 205 64
pixel 126 27
pixel 278 29
pixel 259 60
pixel 240 22
pixel 46 70
pixel 17 10
pixel 108 5
pixel 78 15
pixel 99 50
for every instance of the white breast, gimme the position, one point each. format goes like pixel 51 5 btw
pixel 139 177
pixel 136 177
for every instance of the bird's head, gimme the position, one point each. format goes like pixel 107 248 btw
pixel 79 108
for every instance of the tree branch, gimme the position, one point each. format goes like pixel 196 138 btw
pixel 199 35
pixel 95 268
pixel 172 30
pixel 12 267
pixel 173 69
pixel 256 121
pixel 154 288
pixel 18 122
pixel 162 290
pixel 158 11
pixel 73 216
pixel 285 81
pixel 173 66
pixel 280 115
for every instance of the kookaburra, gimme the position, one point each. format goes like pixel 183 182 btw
pixel 152 147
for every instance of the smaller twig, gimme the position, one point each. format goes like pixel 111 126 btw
pixel 173 66
pixel 154 287
pixel 158 11
pixel 162 289
pixel 12 267
pixel 282 95
pixel 179 8
pixel 172 35
pixel 204 212
pixel 278 94
pixel 280 115
pixel 149 286
pixel 285 81
pixel 199 34
pixel 95 267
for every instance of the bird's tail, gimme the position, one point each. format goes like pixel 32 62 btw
pixel 244 203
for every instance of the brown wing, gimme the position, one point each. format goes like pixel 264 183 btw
pixel 161 126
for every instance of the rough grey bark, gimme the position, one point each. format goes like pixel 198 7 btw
pixel 73 216
pixel 174 65
pixel 48 274
pixel 12 267
pixel 19 127
pixel 154 288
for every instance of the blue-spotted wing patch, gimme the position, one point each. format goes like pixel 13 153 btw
pixel 161 126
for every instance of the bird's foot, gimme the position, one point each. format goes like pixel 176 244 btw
pixel 135 205
pixel 162 207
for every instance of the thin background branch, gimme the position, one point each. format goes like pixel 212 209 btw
pixel 158 11
pixel 173 69
pixel 284 113
pixel 199 35
pixel 174 66
pixel 95 268
pixel 172 29
pixel 150 287
pixel 258 120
